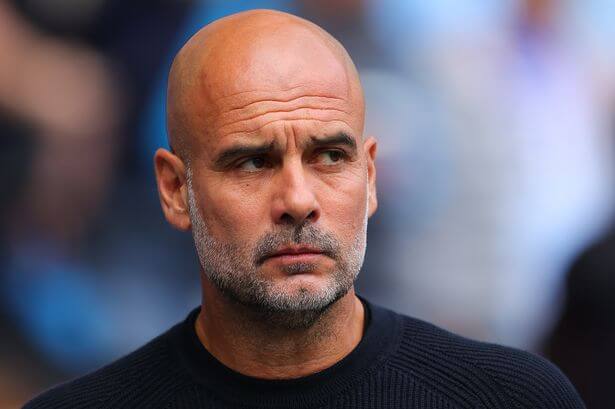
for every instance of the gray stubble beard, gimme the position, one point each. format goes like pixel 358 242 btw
pixel 234 271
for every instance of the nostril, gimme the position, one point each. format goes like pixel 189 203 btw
pixel 287 218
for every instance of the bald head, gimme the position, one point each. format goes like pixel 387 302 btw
pixel 265 114
pixel 225 69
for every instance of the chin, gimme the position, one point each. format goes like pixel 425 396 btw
pixel 292 277
pixel 305 292
pixel 310 282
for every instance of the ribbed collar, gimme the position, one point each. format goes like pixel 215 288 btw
pixel 382 335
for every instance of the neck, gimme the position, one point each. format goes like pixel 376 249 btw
pixel 253 348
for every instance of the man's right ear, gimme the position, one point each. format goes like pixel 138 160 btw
pixel 172 188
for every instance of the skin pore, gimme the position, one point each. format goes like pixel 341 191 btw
pixel 270 171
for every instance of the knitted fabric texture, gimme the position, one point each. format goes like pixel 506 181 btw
pixel 401 362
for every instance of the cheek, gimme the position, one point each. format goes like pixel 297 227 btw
pixel 344 206
pixel 232 212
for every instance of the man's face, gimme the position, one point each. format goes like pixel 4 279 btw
pixel 279 217
pixel 281 181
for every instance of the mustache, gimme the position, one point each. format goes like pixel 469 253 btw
pixel 304 234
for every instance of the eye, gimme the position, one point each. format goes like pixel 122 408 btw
pixel 252 164
pixel 331 157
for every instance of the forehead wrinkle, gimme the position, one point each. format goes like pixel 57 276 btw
pixel 260 121
pixel 256 91
pixel 326 90
pixel 270 107
pixel 256 132
pixel 290 99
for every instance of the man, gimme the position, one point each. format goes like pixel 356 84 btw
pixel 270 170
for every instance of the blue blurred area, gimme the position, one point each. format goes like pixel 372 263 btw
pixel 495 168
pixel 57 300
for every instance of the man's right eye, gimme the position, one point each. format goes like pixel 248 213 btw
pixel 252 164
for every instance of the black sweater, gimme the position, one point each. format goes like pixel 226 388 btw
pixel 401 362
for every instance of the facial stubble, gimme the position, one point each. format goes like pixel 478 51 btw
pixel 235 270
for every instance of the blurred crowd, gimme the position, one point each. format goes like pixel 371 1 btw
pixel 496 171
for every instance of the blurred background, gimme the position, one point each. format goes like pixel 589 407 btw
pixel 496 168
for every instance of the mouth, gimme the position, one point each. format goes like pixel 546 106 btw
pixel 295 254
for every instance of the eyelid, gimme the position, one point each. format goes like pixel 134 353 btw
pixel 345 156
pixel 320 149
pixel 343 151
pixel 240 162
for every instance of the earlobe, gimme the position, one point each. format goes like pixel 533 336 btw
pixel 373 202
pixel 371 147
pixel 171 180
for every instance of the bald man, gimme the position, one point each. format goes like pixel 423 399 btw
pixel 270 170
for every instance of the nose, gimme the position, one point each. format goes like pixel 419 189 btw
pixel 295 201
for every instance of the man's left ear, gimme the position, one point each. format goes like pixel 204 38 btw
pixel 370 147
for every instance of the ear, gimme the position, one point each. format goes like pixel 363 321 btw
pixel 370 146
pixel 172 188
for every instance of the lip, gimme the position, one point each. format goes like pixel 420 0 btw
pixel 295 254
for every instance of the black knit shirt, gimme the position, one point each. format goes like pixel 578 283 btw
pixel 401 362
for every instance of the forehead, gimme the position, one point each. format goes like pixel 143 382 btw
pixel 289 57
pixel 298 82
pixel 302 106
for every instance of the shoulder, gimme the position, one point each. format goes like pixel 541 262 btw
pixel 489 372
pixel 145 375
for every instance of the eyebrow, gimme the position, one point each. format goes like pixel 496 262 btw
pixel 230 154
pixel 340 138
pixel 227 156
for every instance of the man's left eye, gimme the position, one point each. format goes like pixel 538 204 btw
pixel 330 157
